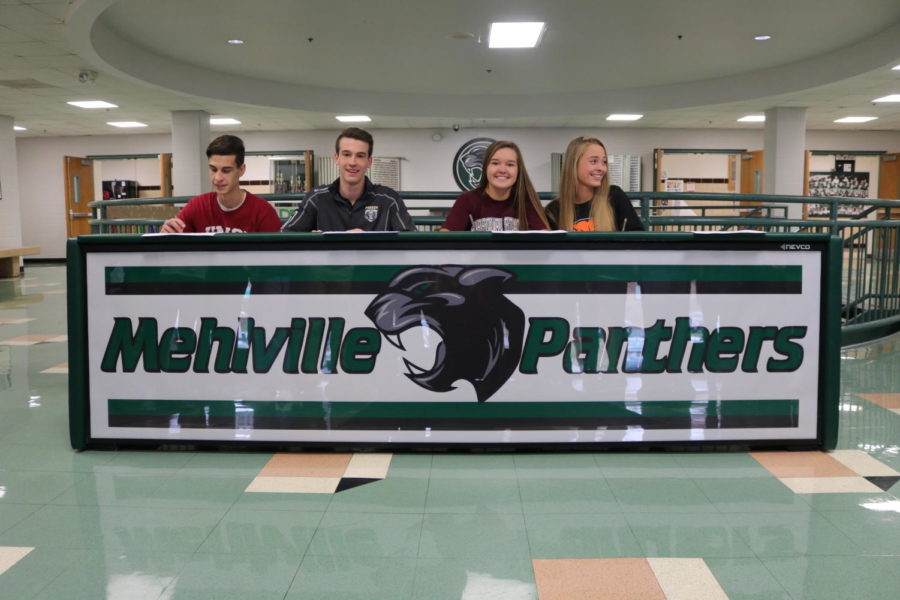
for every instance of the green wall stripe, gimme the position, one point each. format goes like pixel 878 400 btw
pixel 524 273
pixel 455 410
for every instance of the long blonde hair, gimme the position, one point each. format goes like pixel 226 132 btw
pixel 523 192
pixel 601 209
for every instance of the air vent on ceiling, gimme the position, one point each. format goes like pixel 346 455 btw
pixel 24 84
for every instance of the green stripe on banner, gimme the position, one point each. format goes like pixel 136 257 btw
pixel 456 410
pixel 524 273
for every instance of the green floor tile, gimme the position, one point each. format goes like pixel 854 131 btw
pixel 791 534
pixel 725 465
pixel 185 491
pixel 581 536
pixel 353 578
pixel 354 534
pixel 114 528
pixel 878 531
pixel 107 487
pixel 279 501
pixel 474 535
pixel 557 465
pixel 37 570
pixel 834 577
pixel 12 513
pixel 473 466
pixel 35 487
pixel 567 496
pixel 394 494
pixel 234 577
pixel 268 532
pixel 410 465
pixel 751 495
pixel 660 496
pixel 639 465
pixel 746 579
pixel 226 463
pixel 473 496
pixel 135 576
pixel 477 578
pixel 709 535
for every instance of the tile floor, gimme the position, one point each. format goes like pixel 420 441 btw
pixel 142 525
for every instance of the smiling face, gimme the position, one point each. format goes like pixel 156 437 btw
pixel 225 174
pixel 592 167
pixel 352 159
pixel 502 171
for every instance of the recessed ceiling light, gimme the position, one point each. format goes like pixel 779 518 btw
pixel 92 104
pixel 762 38
pixel 353 118
pixel 126 123
pixel 235 42
pixel 895 68
pixel 624 117
pixel 18 128
pixel 515 35
pixel 752 119
pixel 223 121
pixel 855 119
pixel 888 98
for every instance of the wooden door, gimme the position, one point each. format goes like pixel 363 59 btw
pixel 165 175
pixel 889 182
pixel 752 172
pixel 79 174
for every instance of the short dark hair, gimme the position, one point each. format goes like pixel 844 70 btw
pixel 227 145
pixel 355 133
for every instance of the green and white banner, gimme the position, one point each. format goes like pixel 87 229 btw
pixel 454 346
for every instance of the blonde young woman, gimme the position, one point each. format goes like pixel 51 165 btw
pixel 503 200
pixel 586 200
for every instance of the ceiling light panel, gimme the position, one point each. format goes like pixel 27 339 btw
pixel 92 104
pixel 515 35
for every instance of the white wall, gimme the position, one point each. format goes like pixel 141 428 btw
pixel 426 165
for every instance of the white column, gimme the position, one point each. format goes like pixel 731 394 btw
pixel 10 208
pixel 785 152
pixel 190 137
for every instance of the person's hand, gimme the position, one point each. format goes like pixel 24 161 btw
pixel 173 225
pixel 356 230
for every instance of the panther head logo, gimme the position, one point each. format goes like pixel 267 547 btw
pixel 481 330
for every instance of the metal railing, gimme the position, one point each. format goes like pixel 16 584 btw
pixel 869 230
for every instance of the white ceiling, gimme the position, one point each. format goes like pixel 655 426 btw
pixel 691 64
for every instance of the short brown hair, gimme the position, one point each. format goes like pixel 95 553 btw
pixel 355 133
pixel 227 145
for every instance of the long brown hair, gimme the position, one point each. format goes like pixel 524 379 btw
pixel 523 192
pixel 601 209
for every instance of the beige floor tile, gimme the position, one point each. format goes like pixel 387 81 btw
pixel 802 464
pixel 307 465
pixel 889 401
pixel 830 485
pixel 10 321
pixel 370 466
pixel 686 579
pixel 593 578
pixel 294 485
pixel 61 368
pixel 863 464
pixel 10 555
pixel 30 340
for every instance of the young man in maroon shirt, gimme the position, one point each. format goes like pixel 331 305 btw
pixel 228 209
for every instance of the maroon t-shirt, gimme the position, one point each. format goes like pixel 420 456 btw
pixel 476 211
pixel 203 214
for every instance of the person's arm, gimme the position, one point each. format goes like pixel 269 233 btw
pixel 304 218
pixel 460 216
pixel 552 212
pixel 183 223
pixel 268 221
pixel 535 223
pixel 627 218
pixel 401 221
